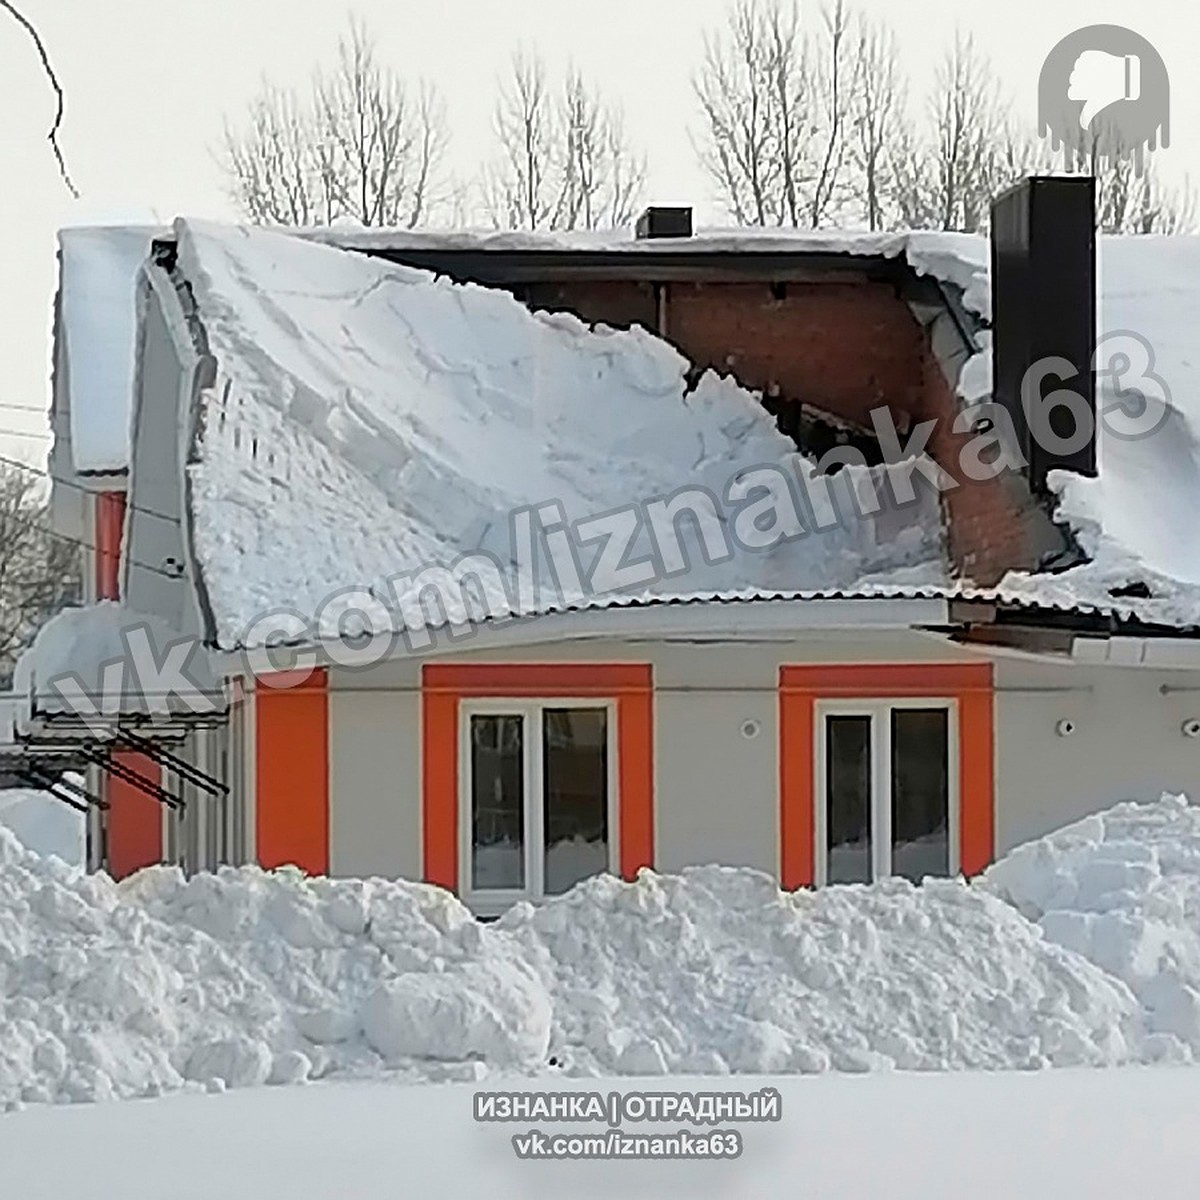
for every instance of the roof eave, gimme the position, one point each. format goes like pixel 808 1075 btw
pixel 732 620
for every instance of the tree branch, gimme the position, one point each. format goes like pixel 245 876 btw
pixel 48 67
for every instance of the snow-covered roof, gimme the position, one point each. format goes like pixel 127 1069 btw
pixel 1138 519
pixel 99 265
pixel 372 421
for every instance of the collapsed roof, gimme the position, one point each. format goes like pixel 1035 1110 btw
pixel 371 420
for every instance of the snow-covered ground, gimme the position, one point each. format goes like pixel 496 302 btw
pixel 1060 1135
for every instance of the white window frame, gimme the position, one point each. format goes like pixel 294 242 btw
pixel 881 778
pixel 491 901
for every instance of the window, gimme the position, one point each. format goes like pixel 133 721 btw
pixel 538 798
pixel 890 763
pixel 887 799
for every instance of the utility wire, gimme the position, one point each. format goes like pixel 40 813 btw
pixel 66 537
pixel 70 483
pixel 44 409
pixel 32 522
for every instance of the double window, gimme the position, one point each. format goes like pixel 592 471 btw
pixel 538 798
pixel 886 791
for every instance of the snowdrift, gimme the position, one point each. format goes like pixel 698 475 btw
pixel 1083 949
pixel 1122 889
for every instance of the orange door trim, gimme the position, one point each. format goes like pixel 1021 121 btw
pixel 291 756
pixel 445 685
pixel 801 687
pixel 110 529
pixel 133 824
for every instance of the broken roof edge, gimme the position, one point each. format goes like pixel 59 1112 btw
pixel 165 285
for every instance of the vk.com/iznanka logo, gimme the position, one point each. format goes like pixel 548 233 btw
pixel 1104 91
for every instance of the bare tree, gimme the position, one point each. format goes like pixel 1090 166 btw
pixel 519 189
pixel 777 107
pixel 1132 201
pixel 875 131
pixel 1131 196
pixel 39 573
pixel 947 170
pixel 564 159
pixel 274 164
pixel 946 175
pixel 60 100
pixel 365 145
pixel 969 120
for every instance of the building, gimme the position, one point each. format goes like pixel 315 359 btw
pixel 503 559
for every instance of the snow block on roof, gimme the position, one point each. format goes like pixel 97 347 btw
pixel 99 267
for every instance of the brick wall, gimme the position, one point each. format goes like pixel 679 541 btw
pixel 615 302
pixel 843 347
pixel 847 347
pixel 993 525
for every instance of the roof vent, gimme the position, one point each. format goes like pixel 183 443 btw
pixel 665 223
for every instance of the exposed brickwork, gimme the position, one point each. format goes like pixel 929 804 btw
pixel 616 302
pixel 992 524
pixel 846 348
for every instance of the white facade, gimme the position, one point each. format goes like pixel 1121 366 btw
pixel 717 790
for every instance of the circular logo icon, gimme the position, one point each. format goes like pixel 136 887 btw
pixel 1104 92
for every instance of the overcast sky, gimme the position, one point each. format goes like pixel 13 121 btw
pixel 149 83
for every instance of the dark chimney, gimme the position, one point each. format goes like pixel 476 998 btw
pixel 1044 307
pixel 665 223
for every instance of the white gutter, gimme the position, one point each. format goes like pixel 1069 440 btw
pixel 728 620
pixel 1161 653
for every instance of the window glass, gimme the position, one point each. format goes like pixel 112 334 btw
pixel 848 799
pixel 574 795
pixel 497 801
pixel 920 792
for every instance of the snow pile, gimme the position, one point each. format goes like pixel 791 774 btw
pixel 716 970
pixel 373 421
pixel 44 824
pixel 1122 888
pixel 247 977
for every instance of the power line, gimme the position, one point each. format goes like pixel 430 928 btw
pixel 70 483
pixel 66 537
pixel 29 433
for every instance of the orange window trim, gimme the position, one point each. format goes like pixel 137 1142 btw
pixel 291 752
pixel 802 687
pixel 445 686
